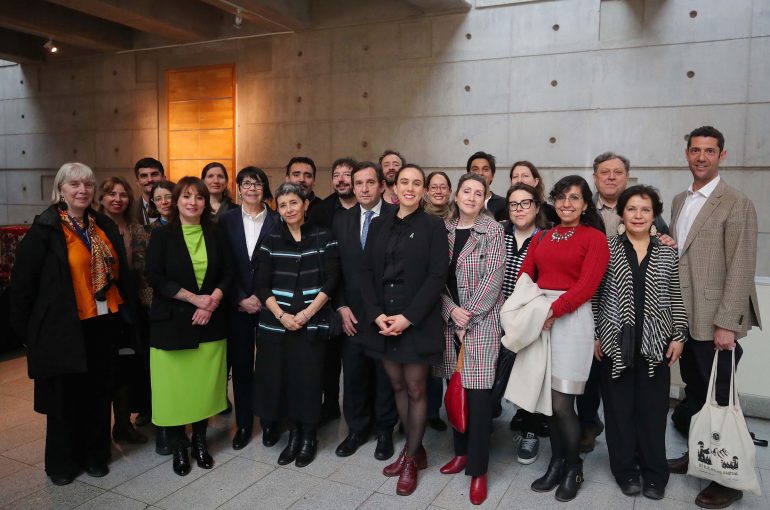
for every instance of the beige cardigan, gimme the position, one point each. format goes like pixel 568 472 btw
pixel 522 318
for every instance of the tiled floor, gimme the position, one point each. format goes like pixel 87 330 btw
pixel 251 477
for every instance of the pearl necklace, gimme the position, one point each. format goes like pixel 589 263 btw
pixel 558 237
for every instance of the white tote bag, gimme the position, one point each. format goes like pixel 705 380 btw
pixel 721 448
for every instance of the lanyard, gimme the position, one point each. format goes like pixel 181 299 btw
pixel 81 232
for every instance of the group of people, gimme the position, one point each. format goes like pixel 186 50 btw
pixel 397 280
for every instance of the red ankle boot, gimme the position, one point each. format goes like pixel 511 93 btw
pixel 407 481
pixel 395 468
pixel 478 492
pixel 455 465
pixel 421 458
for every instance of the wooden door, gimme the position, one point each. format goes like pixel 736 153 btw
pixel 201 120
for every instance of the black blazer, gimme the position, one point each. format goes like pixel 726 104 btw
pixel 323 214
pixel 169 269
pixel 498 207
pixel 43 305
pixel 346 229
pixel 246 264
pixel 425 278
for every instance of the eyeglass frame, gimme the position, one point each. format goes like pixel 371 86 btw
pixel 255 185
pixel 515 206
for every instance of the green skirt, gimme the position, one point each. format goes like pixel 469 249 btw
pixel 188 385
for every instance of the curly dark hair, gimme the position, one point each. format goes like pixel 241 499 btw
pixel 591 216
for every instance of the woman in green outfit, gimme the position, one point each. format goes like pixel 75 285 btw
pixel 188 266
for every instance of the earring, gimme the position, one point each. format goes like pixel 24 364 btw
pixel 653 230
pixel 240 196
pixel 621 229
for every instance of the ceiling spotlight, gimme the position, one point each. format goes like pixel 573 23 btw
pixel 238 18
pixel 50 46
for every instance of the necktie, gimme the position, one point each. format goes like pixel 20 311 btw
pixel 364 231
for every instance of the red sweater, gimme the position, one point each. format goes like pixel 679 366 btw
pixel 576 265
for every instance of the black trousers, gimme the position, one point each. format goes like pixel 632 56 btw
pixel 367 399
pixel 695 369
pixel 475 442
pixel 435 389
pixel 635 412
pixel 79 435
pixel 287 379
pixel 587 404
pixel 331 376
pixel 241 344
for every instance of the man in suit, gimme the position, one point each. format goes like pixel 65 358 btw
pixel 367 400
pixel 148 172
pixel 323 216
pixel 715 227
pixel 483 164
pixel 301 170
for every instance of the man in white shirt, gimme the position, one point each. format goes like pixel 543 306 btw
pixel 715 227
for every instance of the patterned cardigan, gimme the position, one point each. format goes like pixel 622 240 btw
pixel 665 318
pixel 480 273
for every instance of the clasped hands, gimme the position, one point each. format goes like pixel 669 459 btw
pixel 204 304
pixel 392 325
pixel 250 305
pixel 295 321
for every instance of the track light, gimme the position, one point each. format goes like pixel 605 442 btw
pixel 50 46
pixel 238 18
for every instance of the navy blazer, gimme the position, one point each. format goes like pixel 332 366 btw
pixel 244 282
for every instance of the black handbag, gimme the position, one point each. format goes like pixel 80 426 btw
pixel 327 317
pixel 502 373
pixel 627 345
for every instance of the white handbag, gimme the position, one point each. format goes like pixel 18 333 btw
pixel 721 448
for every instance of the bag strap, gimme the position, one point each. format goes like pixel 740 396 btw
pixel 733 398
pixel 733 387
pixel 460 358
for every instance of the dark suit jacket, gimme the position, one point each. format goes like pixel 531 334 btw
pixel 498 207
pixel 246 264
pixel 346 229
pixel 322 214
pixel 138 215
pixel 169 269
pixel 424 279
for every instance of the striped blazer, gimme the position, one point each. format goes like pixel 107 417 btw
pixel 287 267
pixel 665 319
pixel 480 273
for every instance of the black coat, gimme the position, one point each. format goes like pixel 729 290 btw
pixel 168 270
pixel 323 214
pixel 246 264
pixel 425 276
pixel 498 207
pixel 43 305
pixel 346 229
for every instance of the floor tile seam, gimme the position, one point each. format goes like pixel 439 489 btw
pixel 122 496
pixel 191 481
pixel 20 462
pixel 19 445
pixel 25 495
pixel 248 486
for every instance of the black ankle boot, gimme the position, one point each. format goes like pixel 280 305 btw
pixel 162 443
pixel 292 448
pixel 307 448
pixel 181 461
pixel 552 476
pixel 568 488
pixel 201 452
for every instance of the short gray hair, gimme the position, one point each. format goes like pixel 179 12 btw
pixel 290 188
pixel 606 156
pixel 68 172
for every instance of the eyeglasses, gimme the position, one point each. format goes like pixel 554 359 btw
pixel 252 185
pixel 439 188
pixel 523 205
pixel 573 198
pixel 162 198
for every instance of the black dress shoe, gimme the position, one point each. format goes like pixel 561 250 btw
pixel 181 461
pixel 200 451
pixel 292 448
pixel 270 435
pixel 61 479
pixel 631 487
pixel 568 488
pixel 498 411
pixel 437 424
pixel 679 465
pixel 97 470
pixel 552 477
pixel 350 444
pixel 162 445
pixel 128 434
pixel 545 429
pixel 307 449
pixel 384 449
pixel 653 491
pixel 241 438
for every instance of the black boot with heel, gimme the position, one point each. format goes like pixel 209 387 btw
pixel 552 477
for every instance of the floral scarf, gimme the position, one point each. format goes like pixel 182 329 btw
pixel 101 256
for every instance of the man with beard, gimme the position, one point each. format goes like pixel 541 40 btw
pixel 301 170
pixel 391 161
pixel 148 172
pixel 323 215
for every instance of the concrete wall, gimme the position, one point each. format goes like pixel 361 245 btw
pixel 556 82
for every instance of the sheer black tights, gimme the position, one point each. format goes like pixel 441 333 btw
pixel 408 382
pixel 565 428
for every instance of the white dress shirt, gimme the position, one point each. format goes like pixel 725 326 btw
pixel 252 226
pixel 376 210
pixel 690 209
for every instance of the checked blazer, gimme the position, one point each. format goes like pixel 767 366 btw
pixel 480 273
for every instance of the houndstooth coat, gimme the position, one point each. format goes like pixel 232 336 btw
pixel 480 273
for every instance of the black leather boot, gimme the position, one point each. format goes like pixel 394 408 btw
pixel 568 488
pixel 292 448
pixel 200 451
pixel 181 460
pixel 307 448
pixel 123 430
pixel 552 476
pixel 162 445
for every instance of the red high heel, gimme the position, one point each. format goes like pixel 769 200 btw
pixel 455 465
pixel 478 492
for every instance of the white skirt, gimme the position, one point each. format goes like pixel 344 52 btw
pixel 572 347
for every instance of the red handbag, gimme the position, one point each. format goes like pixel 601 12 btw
pixel 455 398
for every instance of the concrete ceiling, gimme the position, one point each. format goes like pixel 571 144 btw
pixel 83 27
